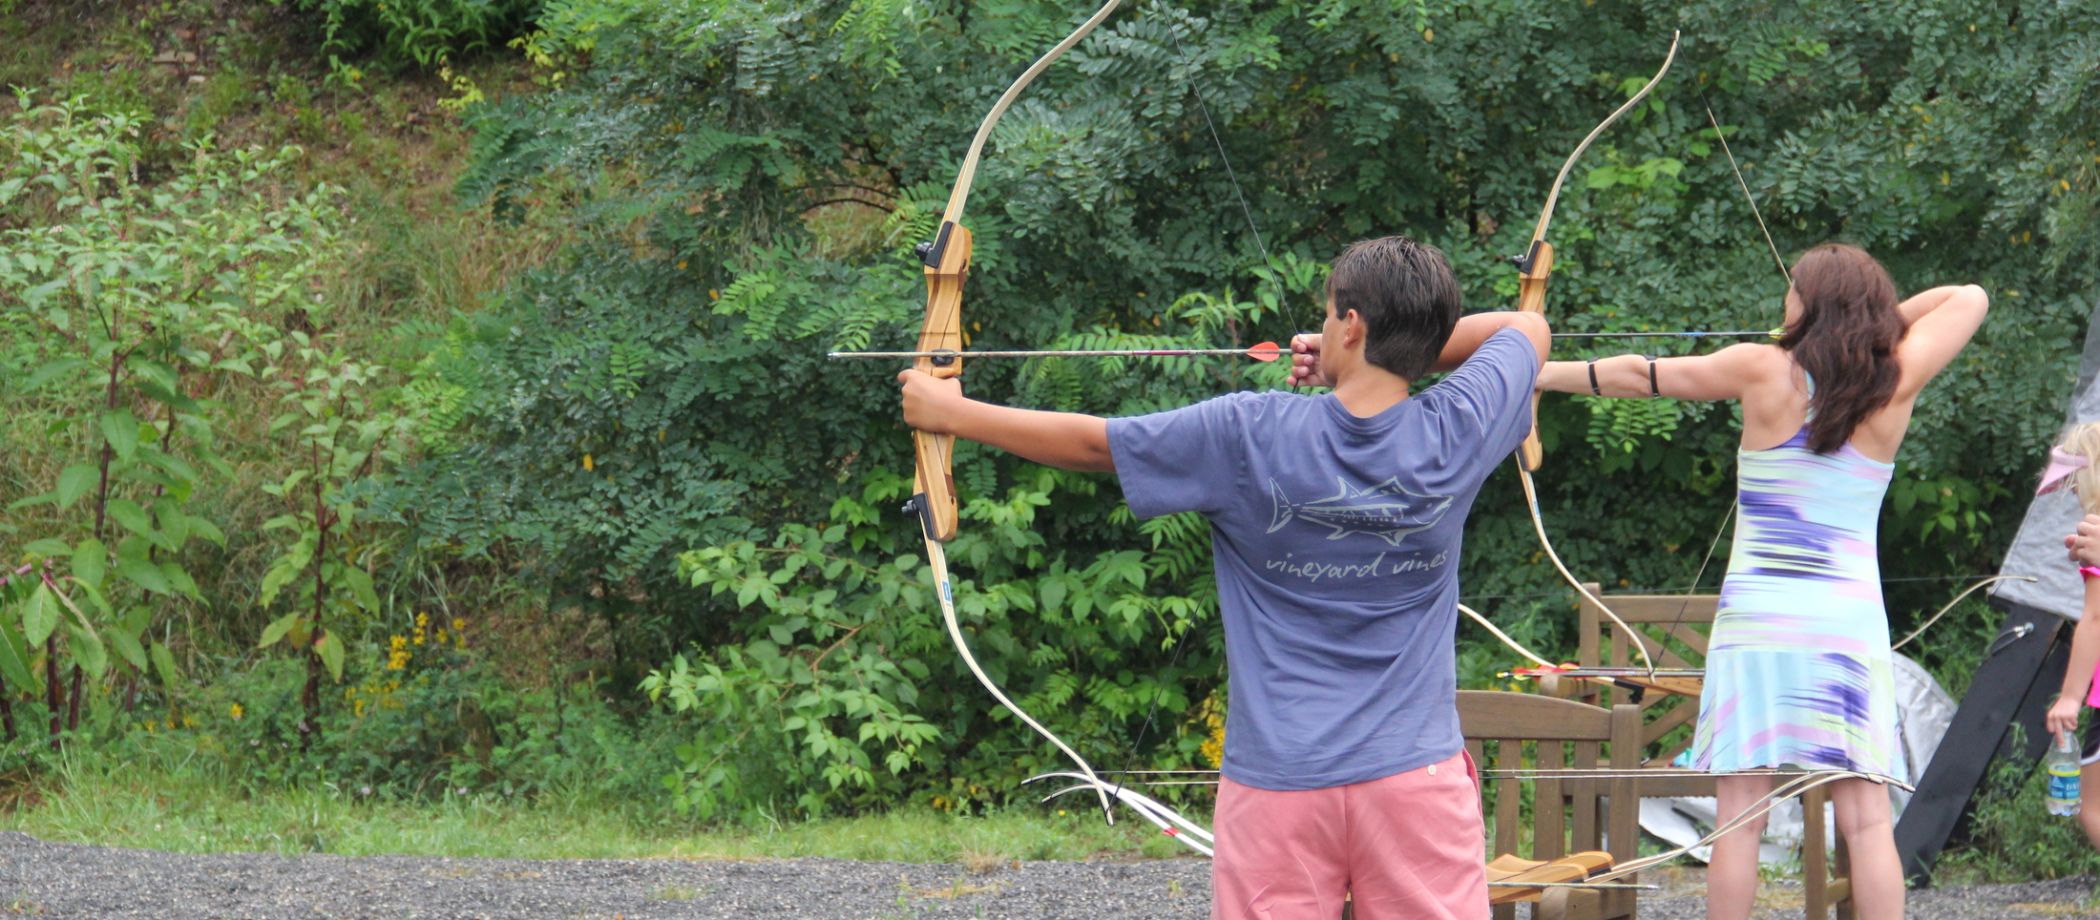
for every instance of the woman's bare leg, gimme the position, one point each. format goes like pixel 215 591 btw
pixel 1731 878
pixel 1870 836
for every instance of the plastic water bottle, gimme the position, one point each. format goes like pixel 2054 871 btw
pixel 2063 776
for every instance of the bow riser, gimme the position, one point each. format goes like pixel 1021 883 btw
pixel 1533 268
pixel 947 260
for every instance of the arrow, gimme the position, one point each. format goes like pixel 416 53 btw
pixel 1767 334
pixel 1265 351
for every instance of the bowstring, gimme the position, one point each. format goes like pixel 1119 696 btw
pixel 1678 621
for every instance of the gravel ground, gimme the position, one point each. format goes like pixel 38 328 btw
pixel 67 880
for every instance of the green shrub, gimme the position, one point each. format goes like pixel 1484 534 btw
pixel 134 297
pixel 423 716
pixel 420 32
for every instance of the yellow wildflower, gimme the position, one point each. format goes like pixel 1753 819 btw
pixel 459 624
pixel 237 712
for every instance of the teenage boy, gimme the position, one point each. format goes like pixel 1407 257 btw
pixel 1335 527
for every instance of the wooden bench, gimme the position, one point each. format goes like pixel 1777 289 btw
pixel 1527 732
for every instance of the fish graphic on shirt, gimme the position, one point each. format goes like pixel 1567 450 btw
pixel 1388 510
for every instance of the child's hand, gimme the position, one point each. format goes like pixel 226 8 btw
pixel 2085 544
pixel 1305 362
pixel 2063 715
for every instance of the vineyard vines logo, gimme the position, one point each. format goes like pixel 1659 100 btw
pixel 1387 511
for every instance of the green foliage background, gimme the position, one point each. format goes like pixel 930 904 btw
pixel 637 444
pixel 756 177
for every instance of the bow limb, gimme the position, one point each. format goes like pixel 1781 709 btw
pixel 1534 268
pixel 1170 822
pixel 1982 583
pixel 1538 526
pixel 944 588
pixel 947 261
pixel 1497 632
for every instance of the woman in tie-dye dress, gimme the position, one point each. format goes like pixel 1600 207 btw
pixel 1798 669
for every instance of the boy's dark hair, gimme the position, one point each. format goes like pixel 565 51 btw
pixel 1407 297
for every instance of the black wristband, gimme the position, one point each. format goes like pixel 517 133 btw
pixel 1594 389
pixel 1653 390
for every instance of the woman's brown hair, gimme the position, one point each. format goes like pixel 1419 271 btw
pixel 1845 338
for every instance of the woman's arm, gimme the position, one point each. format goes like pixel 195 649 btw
pixel 2078 674
pixel 1725 374
pixel 1926 301
pixel 1066 440
pixel 1942 321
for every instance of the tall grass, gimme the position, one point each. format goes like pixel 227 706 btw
pixel 161 799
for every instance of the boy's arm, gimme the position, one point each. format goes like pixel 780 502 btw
pixel 1471 332
pixel 1067 440
pixel 1474 331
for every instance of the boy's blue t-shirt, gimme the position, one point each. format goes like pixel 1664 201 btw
pixel 1337 546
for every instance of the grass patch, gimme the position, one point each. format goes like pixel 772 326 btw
pixel 98 801
pixel 2013 838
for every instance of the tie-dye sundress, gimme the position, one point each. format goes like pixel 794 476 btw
pixel 1798 669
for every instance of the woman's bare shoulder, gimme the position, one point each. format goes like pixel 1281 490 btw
pixel 1759 362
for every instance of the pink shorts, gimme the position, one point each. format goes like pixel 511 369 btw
pixel 1409 846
